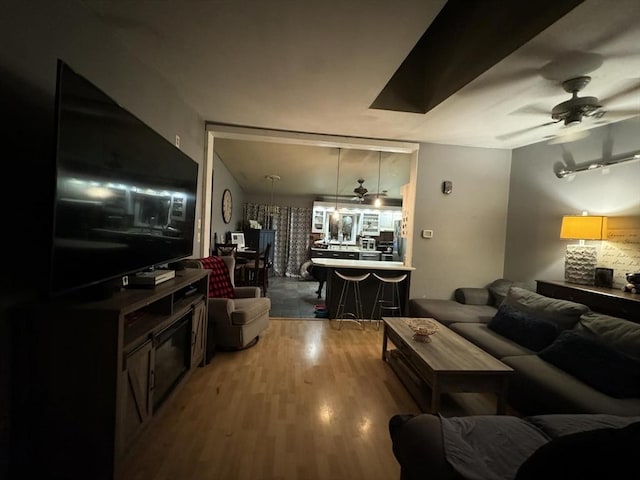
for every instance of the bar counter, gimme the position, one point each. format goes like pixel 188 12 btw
pixel 368 287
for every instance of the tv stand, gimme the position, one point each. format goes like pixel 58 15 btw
pixel 87 373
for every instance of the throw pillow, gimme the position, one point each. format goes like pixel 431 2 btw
pixel 596 364
pixel 219 280
pixel 523 328
pixel 589 455
pixel 618 333
pixel 499 289
pixel 562 312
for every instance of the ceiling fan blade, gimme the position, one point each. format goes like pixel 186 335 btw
pixel 621 94
pixel 569 136
pixel 531 110
pixel 510 135
pixel 620 113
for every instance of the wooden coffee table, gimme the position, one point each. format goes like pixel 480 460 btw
pixel 447 364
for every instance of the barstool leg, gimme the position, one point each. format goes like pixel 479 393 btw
pixel 359 312
pixel 397 302
pixel 341 301
pixel 358 316
pixel 376 306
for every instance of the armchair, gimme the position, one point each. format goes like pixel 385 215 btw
pixel 236 315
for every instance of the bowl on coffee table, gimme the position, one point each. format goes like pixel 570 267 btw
pixel 422 329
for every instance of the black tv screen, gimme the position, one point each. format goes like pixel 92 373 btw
pixel 125 197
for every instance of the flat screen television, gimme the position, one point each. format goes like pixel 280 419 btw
pixel 125 197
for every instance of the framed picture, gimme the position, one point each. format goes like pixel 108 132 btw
pixel 604 277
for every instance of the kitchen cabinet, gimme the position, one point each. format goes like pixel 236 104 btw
pixel 386 220
pixel 370 224
pixel 340 254
pixel 317 222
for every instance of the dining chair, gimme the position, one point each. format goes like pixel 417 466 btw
pixel 230 249
pixel 224 249
pixel 256 270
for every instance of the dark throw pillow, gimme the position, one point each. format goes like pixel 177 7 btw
pixel 596 364
pixel 590 455
pixel 523 328
pixel 219 280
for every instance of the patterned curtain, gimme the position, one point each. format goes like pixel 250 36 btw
pixel 292 227
pixel 254 211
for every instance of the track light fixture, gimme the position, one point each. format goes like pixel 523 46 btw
pixel 562 171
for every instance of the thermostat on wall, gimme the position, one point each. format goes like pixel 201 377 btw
pixel 447 187
pixel 427 233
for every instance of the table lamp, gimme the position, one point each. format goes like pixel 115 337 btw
pixel 580 259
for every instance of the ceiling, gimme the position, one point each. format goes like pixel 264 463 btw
pixel 317 67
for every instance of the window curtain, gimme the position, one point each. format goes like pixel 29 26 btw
pixel 292 227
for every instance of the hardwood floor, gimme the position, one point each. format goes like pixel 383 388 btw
pixel 308 402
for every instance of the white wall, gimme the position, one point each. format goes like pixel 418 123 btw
pixel 538 199
pixel 467 248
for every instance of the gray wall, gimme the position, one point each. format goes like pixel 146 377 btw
pixel 467 248
pixel 538 199
pixel 35 34
pixel 222 179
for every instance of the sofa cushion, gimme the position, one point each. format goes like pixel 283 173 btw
pixel 473 296
pixel 620 334
pixel 476 446
pixel 556 425
pixel 563 312
pixel 595 363
pixel 538 387
pixel 592 454
pixel 220 285
pixel 449 311
pixel 524 328
pixel 499 289
pixel 488 340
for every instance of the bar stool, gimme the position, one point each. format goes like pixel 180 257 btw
pixel 353 282
pixel 385 306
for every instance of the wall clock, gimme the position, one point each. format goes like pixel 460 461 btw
pixel 226 205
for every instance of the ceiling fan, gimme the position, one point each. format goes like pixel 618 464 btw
pixel 571 112
pixel 360 191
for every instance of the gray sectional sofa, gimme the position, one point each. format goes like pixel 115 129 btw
pixel 490 447
pixel 567 359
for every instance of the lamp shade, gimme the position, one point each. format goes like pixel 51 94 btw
pixel 584 227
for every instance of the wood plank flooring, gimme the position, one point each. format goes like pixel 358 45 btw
pixel 307 402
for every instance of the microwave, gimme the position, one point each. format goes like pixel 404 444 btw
pixel 368 243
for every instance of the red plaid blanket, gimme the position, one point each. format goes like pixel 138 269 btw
pixel 219 279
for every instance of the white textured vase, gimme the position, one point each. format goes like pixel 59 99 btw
pixel 580 264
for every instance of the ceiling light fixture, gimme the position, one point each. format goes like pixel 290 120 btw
pixel 562 171
pixel 378 202
pixel 273 179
